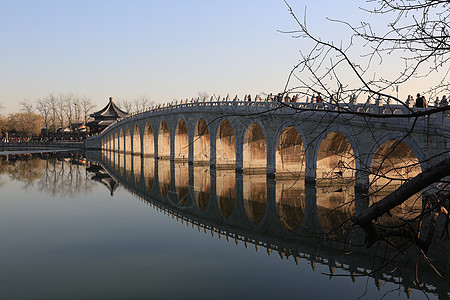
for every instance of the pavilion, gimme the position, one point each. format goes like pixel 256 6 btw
pixel 105 117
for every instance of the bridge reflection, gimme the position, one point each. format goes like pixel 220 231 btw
pixel 285 215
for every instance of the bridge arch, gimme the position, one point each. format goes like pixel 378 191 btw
pixel 181 140
pixel 289 153
pixel 336 161
pixel 335 155
pixel 121 140
pixel 148 141
pixel 393 163
pixel 136 140
pixel 201 145
pixel 115 141
pixel 255 150
pixel 127 140
pixel 225 145
pixel 407 140
pixel 163 140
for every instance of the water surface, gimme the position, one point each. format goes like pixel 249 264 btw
pixel 136 228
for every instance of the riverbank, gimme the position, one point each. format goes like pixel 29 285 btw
pixel 41 145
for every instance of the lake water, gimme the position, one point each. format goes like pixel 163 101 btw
pixel 125 227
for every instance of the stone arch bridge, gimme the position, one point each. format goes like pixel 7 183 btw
pixel 315 141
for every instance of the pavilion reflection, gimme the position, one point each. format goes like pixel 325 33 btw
pixel 226 191
pixel 255 196
pixel 202 186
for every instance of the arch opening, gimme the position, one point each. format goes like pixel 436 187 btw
pixel 181 141
pixel 149 141
pixel 115 141
pixel 335 159
pixel 121 141
pixel 255 152
pixel 127 140
pixel 163 141
pixel 393 164
pixel 225 146
pixel 136 141
pixel 201 143
pixel 290 154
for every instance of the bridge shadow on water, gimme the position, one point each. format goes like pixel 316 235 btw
pixel 287 217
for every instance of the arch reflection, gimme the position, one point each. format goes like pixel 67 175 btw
pixel 255 197
pixel 136 169
pixel 202 186
pixel 290 200
pixel 226 191
pixel 128 159
pixel 148 163
pixel 335 207
pixel 164 177
pixel 182 182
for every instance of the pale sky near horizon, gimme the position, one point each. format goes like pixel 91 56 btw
pixel 163 49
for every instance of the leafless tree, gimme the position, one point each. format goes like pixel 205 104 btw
pixel 203 95
pixel 86 107
pixel 27 106
pixel 44 109
pixel 141 103
pixel 126 105
pixel 419 36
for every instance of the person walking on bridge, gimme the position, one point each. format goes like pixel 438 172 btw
pixel 420 101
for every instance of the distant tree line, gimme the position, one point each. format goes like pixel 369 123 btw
pixel 56 113
pixel 52 113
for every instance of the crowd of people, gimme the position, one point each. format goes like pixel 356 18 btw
pixel 420 101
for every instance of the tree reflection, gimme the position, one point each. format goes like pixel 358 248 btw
pixel 53 173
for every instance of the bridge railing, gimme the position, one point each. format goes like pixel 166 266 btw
pixel 243 107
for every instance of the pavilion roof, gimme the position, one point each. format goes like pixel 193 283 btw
pixel 111 110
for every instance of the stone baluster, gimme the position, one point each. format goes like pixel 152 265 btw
pixel 379 101
pixel 353 100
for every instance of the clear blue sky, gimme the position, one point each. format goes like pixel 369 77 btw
pixel 163 49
